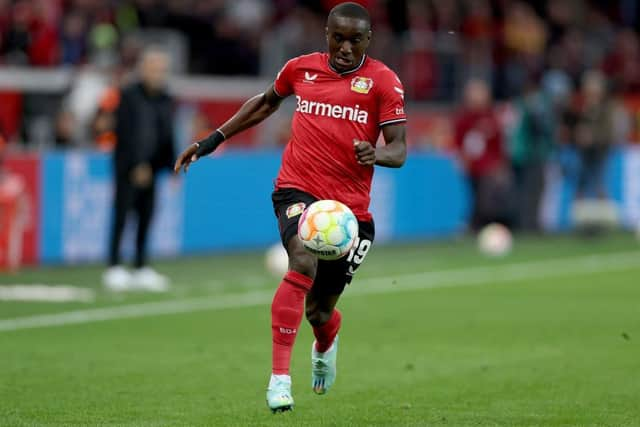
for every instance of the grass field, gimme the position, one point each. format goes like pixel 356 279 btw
pixel 432 335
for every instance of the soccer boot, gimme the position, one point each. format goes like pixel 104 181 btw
pixel 279 397
pixel 323 367
pixel 117 279
pixel 147 279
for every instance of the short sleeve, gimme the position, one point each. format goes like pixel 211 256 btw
pixel 391 100
pixel 283 85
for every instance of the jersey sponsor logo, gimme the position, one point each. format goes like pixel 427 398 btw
pixel 361 84
pixel 355 114
pixel 295 210
pixel 309 78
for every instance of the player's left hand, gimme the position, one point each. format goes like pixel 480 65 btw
pixel 365 153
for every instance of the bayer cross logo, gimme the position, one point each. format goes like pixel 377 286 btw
pixel 361 84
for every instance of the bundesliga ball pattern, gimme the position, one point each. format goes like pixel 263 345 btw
pixel 328 229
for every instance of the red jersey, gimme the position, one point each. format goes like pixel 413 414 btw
pixel 332 110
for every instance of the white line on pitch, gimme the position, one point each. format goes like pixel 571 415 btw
pixel 530 270
pixel 46 293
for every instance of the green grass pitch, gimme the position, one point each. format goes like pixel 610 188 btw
pixel 432 335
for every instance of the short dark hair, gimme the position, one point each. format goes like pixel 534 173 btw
pixel 350 10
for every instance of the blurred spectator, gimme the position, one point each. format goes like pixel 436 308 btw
pixel 103 45
pixel 418 57
pixel 479 31
pixel 593 134
pixel 82 102
pixel 104 123
pixel 532 143
pixel 145 146
pixel 32 39
pixel 572 50
pixel 599 37
pixel 524 38
pixel 73 39
pixel 447 47
pixel 18 37
pixel 623 62
pixel 561 15
pixel 64 129
pixel 294 35
pixel 479 143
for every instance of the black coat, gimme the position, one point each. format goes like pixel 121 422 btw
pixel 144 130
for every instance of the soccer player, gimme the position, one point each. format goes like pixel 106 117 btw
pixel 344 99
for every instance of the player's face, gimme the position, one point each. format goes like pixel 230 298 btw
pixel 347 39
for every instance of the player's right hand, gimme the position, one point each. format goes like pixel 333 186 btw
pixel 365 153
pixel 185 158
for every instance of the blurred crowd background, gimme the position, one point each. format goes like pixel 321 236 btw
pixel 505 86
pixel 436 45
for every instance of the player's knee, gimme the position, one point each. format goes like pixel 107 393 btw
pixel 303 262
pixel 315 316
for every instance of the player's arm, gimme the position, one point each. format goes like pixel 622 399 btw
pixel 391 155
pixel 252 112
pixel 394 152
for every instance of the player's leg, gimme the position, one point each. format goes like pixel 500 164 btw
pixel 144 208
pixel 122 201
pixel 325 320
pixel 287 307
pixel 331 278
pixel 116 277
pixel 145 278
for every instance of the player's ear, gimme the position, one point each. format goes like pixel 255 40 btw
pixel 367 40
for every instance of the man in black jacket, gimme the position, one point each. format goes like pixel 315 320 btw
pixel 144 132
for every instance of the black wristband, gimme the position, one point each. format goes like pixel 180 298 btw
pixel 210 143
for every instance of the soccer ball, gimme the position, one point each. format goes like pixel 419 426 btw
pixel 276 260
pixel 328 229
pixel 495 240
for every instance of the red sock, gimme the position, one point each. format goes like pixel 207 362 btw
pixel 287 309
pixel 325 334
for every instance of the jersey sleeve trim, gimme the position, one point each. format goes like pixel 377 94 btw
pixel 389 122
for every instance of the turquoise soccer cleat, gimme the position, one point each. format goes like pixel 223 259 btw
pixel 279 397
pixel 323 368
